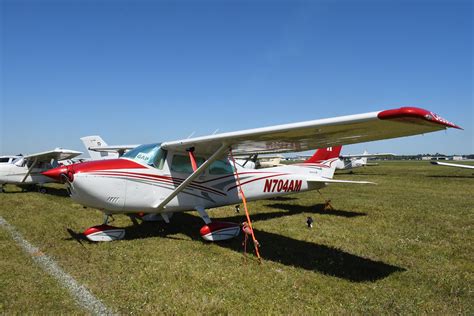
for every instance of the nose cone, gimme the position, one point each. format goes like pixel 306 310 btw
pixel 56 173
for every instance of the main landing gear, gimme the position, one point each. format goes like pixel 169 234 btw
pixel 104 232
pixel 216 231
pixel 212 231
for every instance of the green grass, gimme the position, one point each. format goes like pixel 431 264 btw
pixel 22 284
pixel 404 245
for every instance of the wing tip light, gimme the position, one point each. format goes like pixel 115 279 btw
pixel 413 112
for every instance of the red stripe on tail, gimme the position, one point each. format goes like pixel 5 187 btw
pixel 325 154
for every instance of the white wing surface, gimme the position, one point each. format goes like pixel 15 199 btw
pixel 456 165
pixel 56 154
pixel 321 133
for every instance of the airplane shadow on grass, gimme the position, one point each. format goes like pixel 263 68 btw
pixel 49 191
pixel 291 210
pixel 315 209
pixel 282 249
pixel 452 177
pixel 282 198
pixel 360 174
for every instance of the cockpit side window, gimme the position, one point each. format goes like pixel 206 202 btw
pixel 221 167
pixel 160 159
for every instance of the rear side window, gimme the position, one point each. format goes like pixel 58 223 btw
pixel 4 160
pixel 221 167
pixel 182 163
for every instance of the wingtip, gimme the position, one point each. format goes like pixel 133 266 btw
pixel 407 112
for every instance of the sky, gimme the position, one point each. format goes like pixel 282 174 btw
pixel 152 71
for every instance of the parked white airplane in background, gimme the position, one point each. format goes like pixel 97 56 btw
pixel 260 161
pixel 26 170
pixel 199 173
pixel 456 165
pixel 98 148
pixel 357 161
pixel 8 159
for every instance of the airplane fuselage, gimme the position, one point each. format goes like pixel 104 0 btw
pixel 124 185
pixel 13 174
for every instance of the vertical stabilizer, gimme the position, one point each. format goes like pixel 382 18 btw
pixel 364 159
pixel 325 154
pixel 96 141
pixel 328 157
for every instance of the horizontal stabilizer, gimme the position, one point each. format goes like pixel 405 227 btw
pixel 326 180
pixel 118 148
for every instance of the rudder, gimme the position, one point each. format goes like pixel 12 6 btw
pixel 325 154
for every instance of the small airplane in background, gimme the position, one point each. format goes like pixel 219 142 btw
pixel 25 171
pixel 199 173
pixel 356 161
pixel 98 148
pixel 8 159
pixel 258 161
pixel 455 165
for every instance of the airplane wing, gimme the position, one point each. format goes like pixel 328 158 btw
pixel 326 180
pixel 56 154
pixel 321 133
pixel 452 165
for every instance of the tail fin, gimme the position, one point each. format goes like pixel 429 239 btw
pixel 328 157
pixel 95 141
pixel 325 154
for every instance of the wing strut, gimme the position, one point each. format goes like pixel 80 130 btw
pixel 29 169
pixel 194 175
pixel 244 200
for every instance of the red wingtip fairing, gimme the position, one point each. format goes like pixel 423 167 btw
pixel 407 112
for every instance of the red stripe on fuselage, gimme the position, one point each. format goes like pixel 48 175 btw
pixel 156 178
pixel 107 164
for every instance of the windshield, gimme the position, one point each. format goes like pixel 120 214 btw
pixel 150 154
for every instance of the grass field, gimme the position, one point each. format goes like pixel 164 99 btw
pixel 405 245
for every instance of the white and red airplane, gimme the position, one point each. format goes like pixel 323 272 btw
pixel 198 173
pixel 358 160
pixel 25 171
